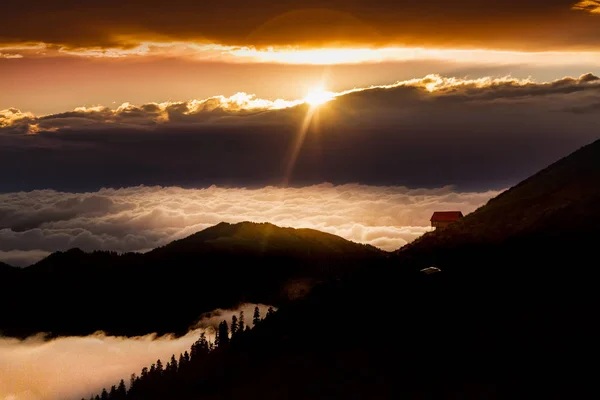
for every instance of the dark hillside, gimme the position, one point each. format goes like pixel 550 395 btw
pixel 167 289
pixel 510 315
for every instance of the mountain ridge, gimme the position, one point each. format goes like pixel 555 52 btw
pixel 223 266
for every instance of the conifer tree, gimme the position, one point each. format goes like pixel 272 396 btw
pixel 270 312
pixel 113 393
pixel 223 334
pixel 234 326
pixel 121 390
pixel 241 323
pixel 173 365
pixel 256 317
pixel 144 373
pixel 104 394
pixel 133 382
pixel 182 363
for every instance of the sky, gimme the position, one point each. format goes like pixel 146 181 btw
pixel 112 112
pixel 68 54
pixel 125 125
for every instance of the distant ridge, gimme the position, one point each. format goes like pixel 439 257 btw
pixel 263 238
pixel 218 267
pixel 5 266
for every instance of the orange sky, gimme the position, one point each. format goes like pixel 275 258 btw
pixel 58 56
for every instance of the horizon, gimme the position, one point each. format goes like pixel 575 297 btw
pixel 127 127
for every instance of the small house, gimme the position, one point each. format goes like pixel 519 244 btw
pixel 441 219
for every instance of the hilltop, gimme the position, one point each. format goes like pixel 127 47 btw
pixel 266 238
pixel 170 287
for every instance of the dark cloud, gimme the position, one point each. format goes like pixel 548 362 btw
pixel 524 24
pixel 430 132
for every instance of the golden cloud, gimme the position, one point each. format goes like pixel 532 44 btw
pixel 591 6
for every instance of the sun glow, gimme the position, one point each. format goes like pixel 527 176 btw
pixel 318 96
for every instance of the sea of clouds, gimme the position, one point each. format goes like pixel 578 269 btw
pixel 33 224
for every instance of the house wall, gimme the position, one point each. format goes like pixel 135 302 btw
pixel 441 224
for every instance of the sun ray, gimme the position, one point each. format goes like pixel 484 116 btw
pixel 315 98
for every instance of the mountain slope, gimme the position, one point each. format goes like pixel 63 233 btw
pixel 549 219
pixel 5 267
pixel 510 315
pixel 170 287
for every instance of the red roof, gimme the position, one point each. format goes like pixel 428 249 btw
pixel 446 216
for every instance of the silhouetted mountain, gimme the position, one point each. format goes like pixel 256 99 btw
pixel 7 273
pixel 559 197
pixel 266 238
pixel 544 224
pixel 5 267
pixel 167 289
pixel 511 314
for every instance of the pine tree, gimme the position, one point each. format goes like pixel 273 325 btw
pixel 223 334
pixel 256 317
pixel 159 367
pixel 234 326
pixel 182 362
pixel 104 394
pixel 133 382
pixel 121 390
pixel 113 393
pixel 173 367
pixel 270 312
pixel 144 373
pixel 241 323
pixel 200 347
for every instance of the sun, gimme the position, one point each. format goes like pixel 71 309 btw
pixel 318 96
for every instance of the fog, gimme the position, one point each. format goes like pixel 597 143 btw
pixel 76 367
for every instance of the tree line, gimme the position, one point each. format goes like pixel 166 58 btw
pixel 178 377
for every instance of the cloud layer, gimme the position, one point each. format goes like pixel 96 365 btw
pixel 75 367
pixel 116 24
pixel 141 218
pixel 428 132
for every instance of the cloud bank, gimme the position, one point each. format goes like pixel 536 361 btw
pixel 430 132
pixel 75 367
pixel 217 108
pixel 523 24
pixel 141 218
